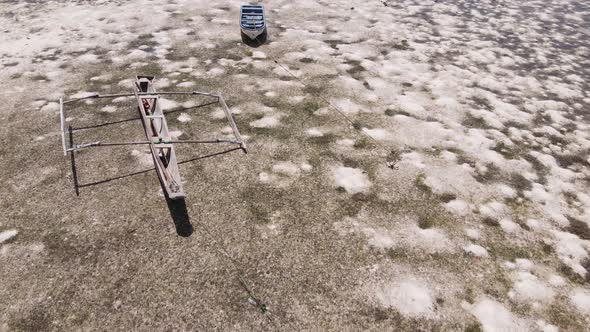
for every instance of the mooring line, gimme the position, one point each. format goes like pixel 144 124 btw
pixel 240 273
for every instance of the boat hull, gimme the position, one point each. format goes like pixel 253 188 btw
pixel 252 21
pixel 157 133
pixel 253 34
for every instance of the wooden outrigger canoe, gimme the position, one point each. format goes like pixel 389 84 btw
pixel 156 130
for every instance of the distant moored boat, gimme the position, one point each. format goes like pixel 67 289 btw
pixel 253 22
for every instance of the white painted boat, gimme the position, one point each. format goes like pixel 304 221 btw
pixel 252 21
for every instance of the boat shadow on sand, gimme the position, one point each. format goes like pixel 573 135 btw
pixel 180 217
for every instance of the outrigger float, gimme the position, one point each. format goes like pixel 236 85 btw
pixel 157 135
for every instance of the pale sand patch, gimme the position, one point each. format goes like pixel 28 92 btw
pixel 345 142
pixel 353 180
pixel 266 122
pixel 305 167
pixel 378 134
pixel 287 168
pixel 109 109
pixel 458 207
pixel 580 298
pixel 509 226
pixel 50 107
pixel 7 235
pixel 314 132
pixel 528 288
pixel 258 55
pixel 410 297
pixel 144 157
pixel 88 58
pixel 346 106
pixel 184 118
pixel 167 104
pixel 494 316
pixel 38 103
pixel 476 250
pixel 185 84
pixel 175 134
pixel 472 233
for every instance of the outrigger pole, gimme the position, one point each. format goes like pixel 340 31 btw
pixel 116 95
pixel 156 131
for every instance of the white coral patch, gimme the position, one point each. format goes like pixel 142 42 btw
pixel 88 58
pixel 226 130
pixel 258 55
pixel 476 250
pixel 215 71
pixel 183 117
pixel 580 298
pixel 7 235
pixel 414 158
pixel 314 132
pixel 295 99
pixel 306 167
pixel 472 233
pixel 509 226
pixel 121 99
pixel 494 210
pixel 556 280
pixel 38 103
pixel 286 167
pixel 345 142
pixel 494 316
pixel 346 106
pixel 144 158
pixel 266 122
pixel 353 180
pixel 409 297
pixel 218 114
pixel 266 178
pixel 546 327
pixel 50 107
pixel 175 134
pixel 137 54
pixel 109 109
pixel 186 84
pixel 527 287
pixel 458 207
pixel 571 250
pixel 167 104
pixel 378 238
pixel 378 134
